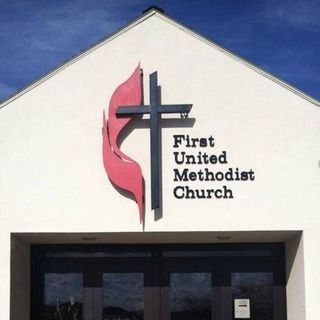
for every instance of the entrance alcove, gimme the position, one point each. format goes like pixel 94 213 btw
pixel 30 250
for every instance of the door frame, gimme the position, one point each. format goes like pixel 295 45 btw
pixel 156 261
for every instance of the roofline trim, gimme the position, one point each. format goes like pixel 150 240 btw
pixel 173 22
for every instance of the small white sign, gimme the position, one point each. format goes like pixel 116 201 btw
pixel 242 308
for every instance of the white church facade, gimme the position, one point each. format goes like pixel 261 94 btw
pixel 159 176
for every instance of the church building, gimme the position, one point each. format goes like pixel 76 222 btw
pixel 159 176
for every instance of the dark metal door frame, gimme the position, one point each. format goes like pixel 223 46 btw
pixel 160 260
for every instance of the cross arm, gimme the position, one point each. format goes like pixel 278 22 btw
pixel 133 110
pixel 175 108
pixel 165 108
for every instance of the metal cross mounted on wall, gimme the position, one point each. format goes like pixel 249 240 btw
pixel 155 109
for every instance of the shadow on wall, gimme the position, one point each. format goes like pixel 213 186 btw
pixel 20 279
pixel 295 278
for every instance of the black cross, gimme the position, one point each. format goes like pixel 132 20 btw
pixel 155 110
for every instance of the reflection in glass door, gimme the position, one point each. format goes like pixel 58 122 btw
pixel 63 296
pixel 190 296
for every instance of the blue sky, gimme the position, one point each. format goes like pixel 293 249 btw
pixel 281 36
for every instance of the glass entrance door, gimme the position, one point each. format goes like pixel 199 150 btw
pixel 257 289
pixel 191 296
pixel 123 296
pixel 158 283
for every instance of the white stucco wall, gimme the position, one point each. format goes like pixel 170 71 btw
pixel 52 177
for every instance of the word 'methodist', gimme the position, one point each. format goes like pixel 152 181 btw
pixel 197 162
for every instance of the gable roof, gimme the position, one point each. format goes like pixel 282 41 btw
pixel 146 15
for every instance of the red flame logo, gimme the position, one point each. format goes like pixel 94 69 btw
pixel 123 171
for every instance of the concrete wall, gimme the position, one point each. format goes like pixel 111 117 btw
pixel 52 176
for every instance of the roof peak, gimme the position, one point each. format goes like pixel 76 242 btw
pixel 147 13
pixel 153 8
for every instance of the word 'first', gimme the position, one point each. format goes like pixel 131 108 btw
pixel 189 142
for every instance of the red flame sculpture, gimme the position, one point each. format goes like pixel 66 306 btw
pixel 123 171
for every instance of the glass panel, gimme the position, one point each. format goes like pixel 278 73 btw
pixel 257 287
pixel 123 296
pixel 190 296
pixel 63 296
